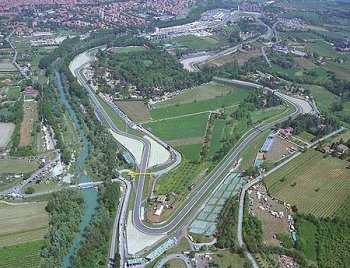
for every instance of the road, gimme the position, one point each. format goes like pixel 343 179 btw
pixel 18 188
pixel 167 258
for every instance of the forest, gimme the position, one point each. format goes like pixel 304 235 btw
pixel 66 211
pixel 150 70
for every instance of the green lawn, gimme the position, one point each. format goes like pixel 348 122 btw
pixel 190 152
pixel 26 255
pixel 180 128
pixel 306 136
pixel 306 233
pixel 227 259
pixel 234 98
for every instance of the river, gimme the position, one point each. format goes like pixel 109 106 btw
pixel 90 195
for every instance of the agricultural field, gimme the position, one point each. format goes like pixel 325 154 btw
pixel 315 184
pixel 218 131
pixel 180 128
pixel 190 151
pixel 6 130
pixel 30 116
pixel 25 255
pixel 241 57
pixel 7 67
pixel 20 223
pixel 136 110
pixel 203 92
pixel 191 42
pixel 179 179
pixel 323 97
pixel 322 49
pixel 12 166
pixel 230 99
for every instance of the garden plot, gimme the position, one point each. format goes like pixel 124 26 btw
pixel 135 147
pixel 158 154
pixel 205 222
pixel 6 130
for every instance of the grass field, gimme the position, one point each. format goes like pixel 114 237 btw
pixel 26 255
pixel 218 130
pixel 321 185
pixel 323 97
pixel 136 110
pixel 227 259
pixel 323 49
pixel 306 136
pixel 12 166
pixel 229 99
pixel 180 128
pixel 29 118
pixel 22 223
pixel 179 179
pixel 127 49
pixel 190 152
pixel 199 93
pixel 307 235
pixel 196 43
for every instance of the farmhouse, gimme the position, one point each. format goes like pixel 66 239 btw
pixel 286 132
pixel 341 148
pixel 161 199
pixel 30 93
pixel 325 149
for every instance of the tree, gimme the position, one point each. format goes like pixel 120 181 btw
pixel 29 190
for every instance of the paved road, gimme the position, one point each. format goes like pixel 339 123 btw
pixel 18 188
pixel 167 258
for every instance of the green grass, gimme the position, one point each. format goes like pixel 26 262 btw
pixel 121 50
pixel 323 49
pixel 322 185
pixel 13 166
pixel 180 128
pixel 227 259
pixel 199 93
pixel 323 97
pixel 14 92
pixel 229 99
pixel 306 136
pixel 25 255
pixel 249 154
pixel 218 130
pixel 190 152
pixel 196 43
pixel 179 179
pixel 306 233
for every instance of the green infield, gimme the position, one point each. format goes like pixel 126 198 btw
pixel 190 152
pixel 192 42
pixel 315 184
pixel 232 98
pixel 180 179
pixel 203 92
pixel 218 130
pixel 180 128
pixel 26 255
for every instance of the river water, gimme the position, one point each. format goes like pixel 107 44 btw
pixel 90 195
